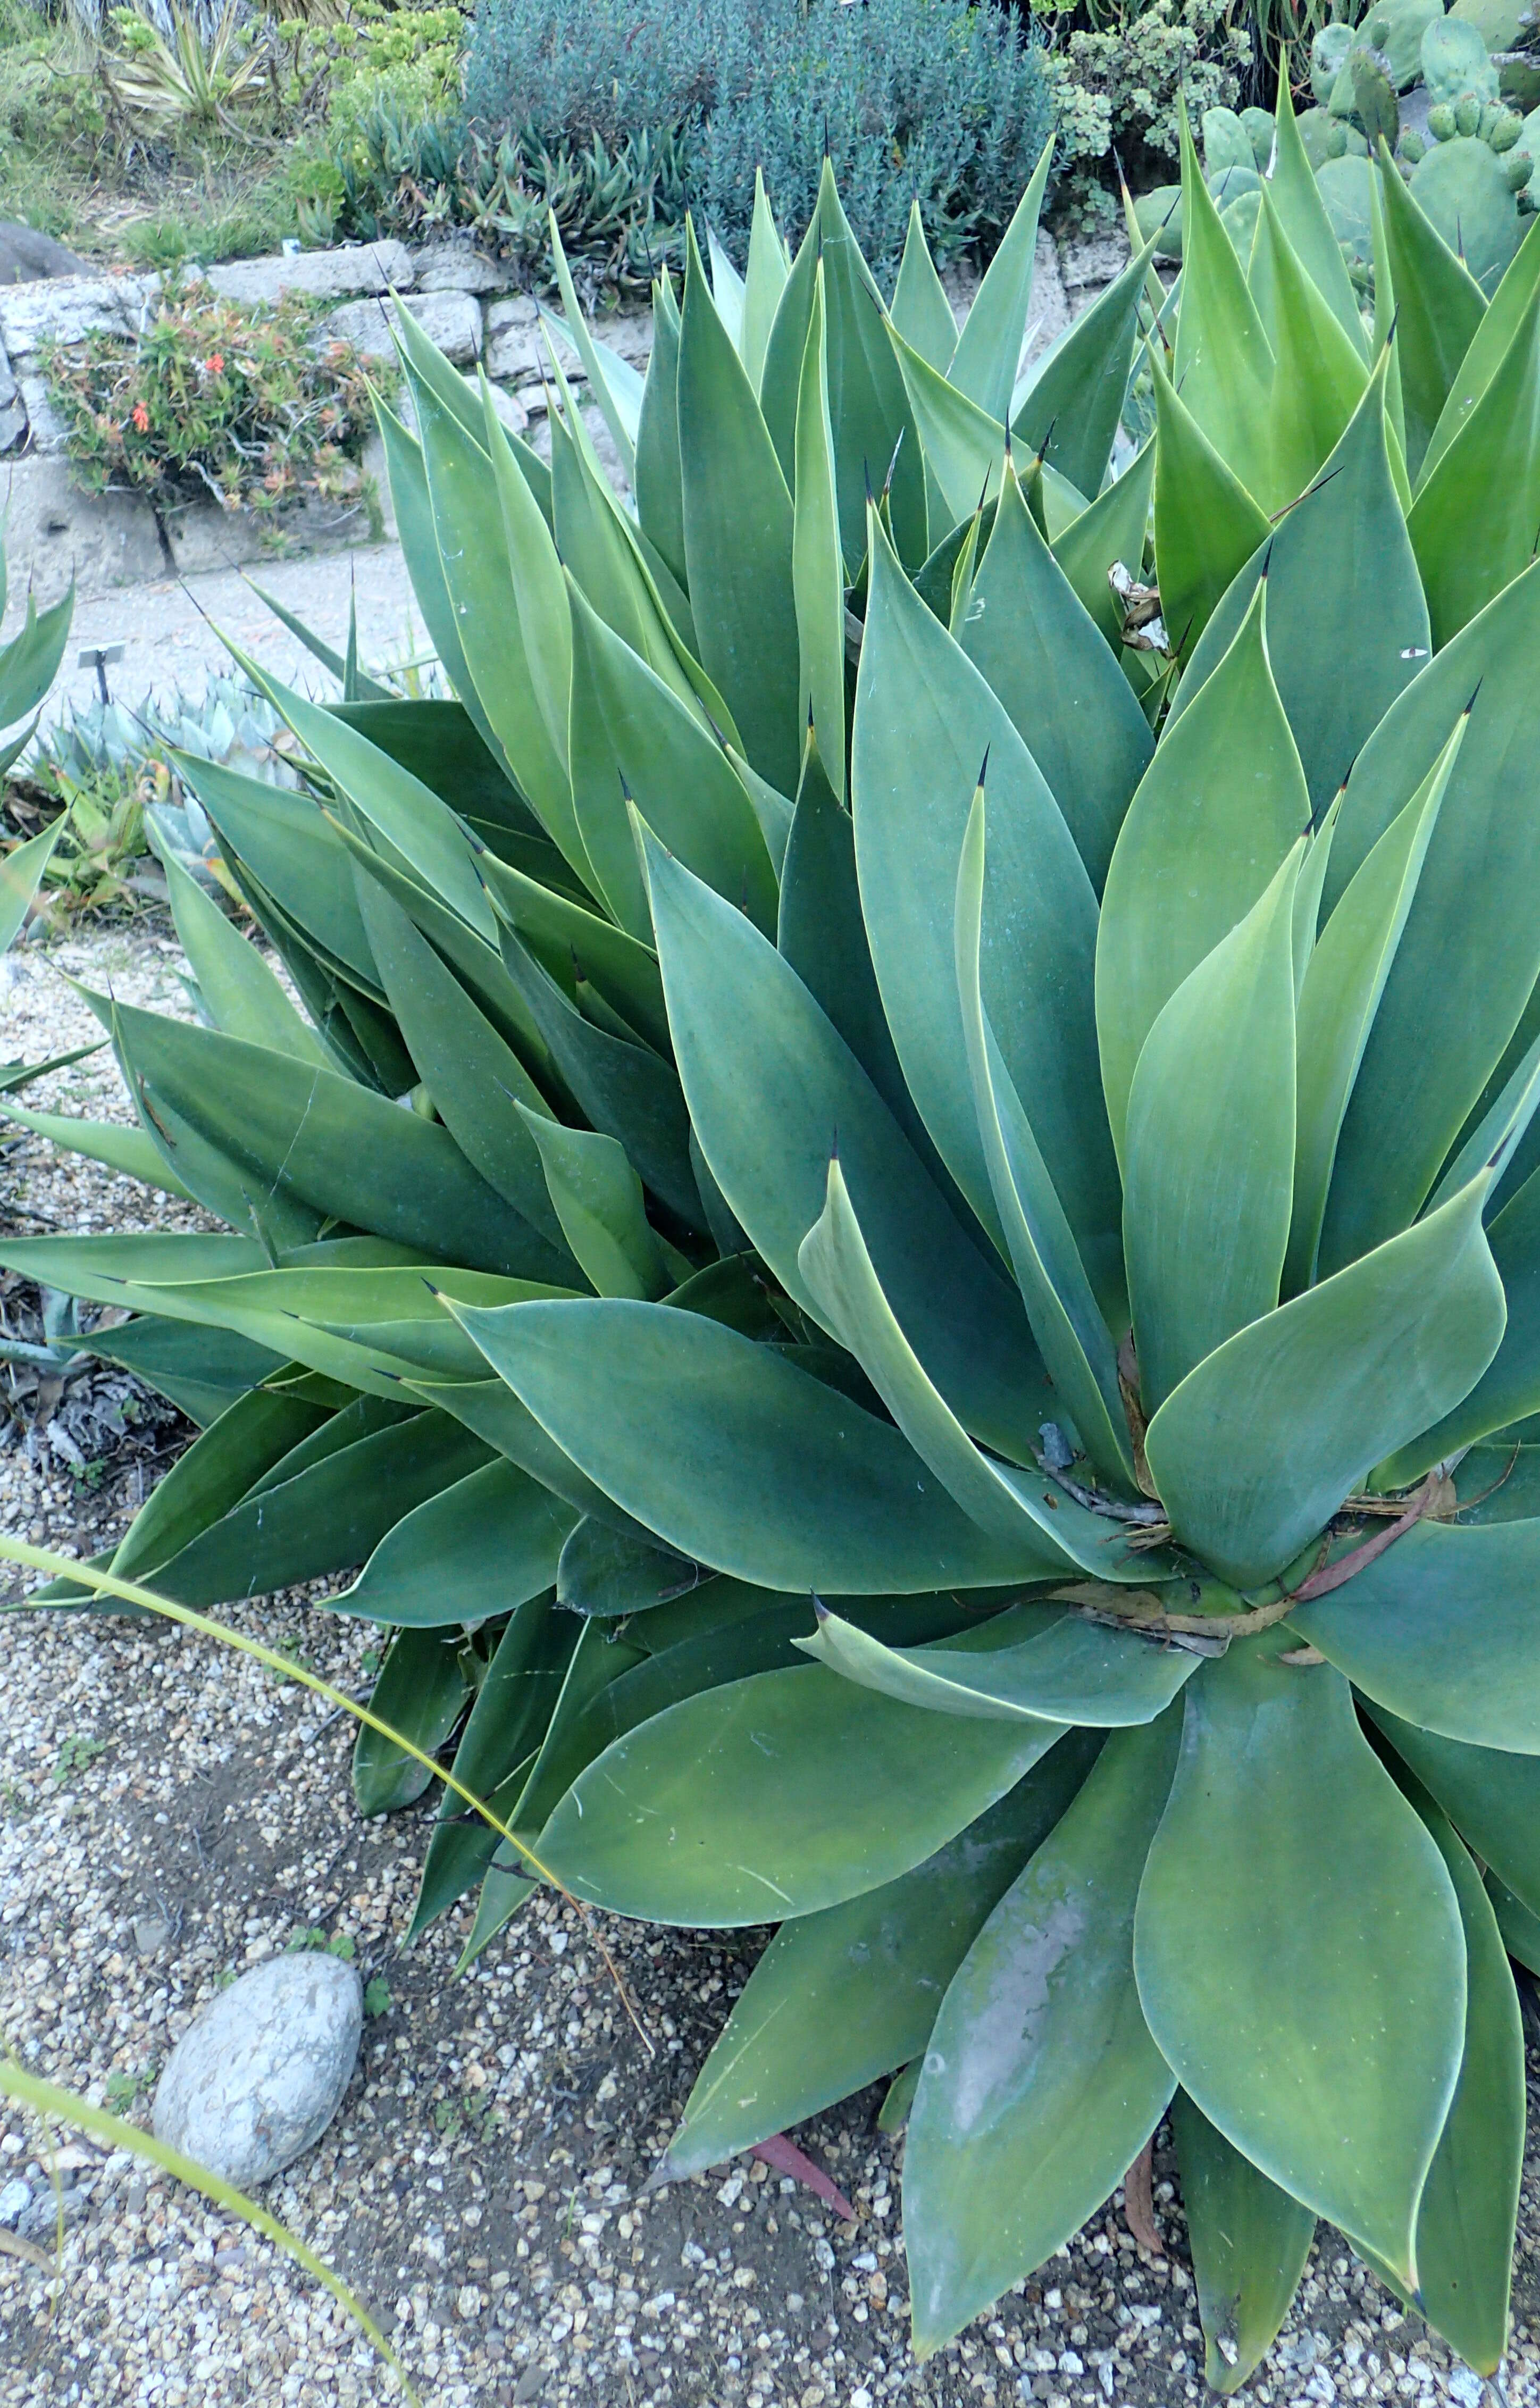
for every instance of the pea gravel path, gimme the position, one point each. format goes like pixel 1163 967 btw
pixel 169 1816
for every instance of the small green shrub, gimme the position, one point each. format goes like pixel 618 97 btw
pixel 933 100
pixel 1119 86
pixel 210 399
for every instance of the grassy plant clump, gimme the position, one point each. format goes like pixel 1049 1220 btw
pixel 211 399
pixel 863 1244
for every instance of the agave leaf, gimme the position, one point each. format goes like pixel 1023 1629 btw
pixel 737 1458
pixel 1440 1631
pixel 133 1151
pixel 660 477
pixel 326 1506
pixel 539 595
pixel 407 814
pixel 1520 1929
pixel 780 378
pixel 876 444
pixel 964 446
pixel 1509 1389
pixel 1489 347
pixel 604 1572
pixel 1206 525
pixel 989 349
pixel 1033 1661
pixel 413 512
pixel 1439 307
pixel 1470 523
pixel 1301 213
pixel 21 875
pixel 30 662
pixel 726 288
pixel 1073 400
pixel 477 967
pixel 600 1658
pixel 1468 930
pixel 1338 669
pixel 1491 1796
pixel 738 534
pixel 1110 529
pixel 466 494
pixel 865 1977
pixel 1260 1443
pixel 1061 1305
pixel 1318 2025
pixel 1209 1147
pixel 1041 2081
pixel 477 1082
pixel 1465 2223
pixel 925 718
pixel 438 743
pixel 421 1692
pixel 560 933
pixel 1027 633
pixel 1224 366
pixel 599 547
pixel 242 995
pixel 765 282
pixel 921 310
pixel 1199 846
pixel 202 1371
pixel 1250 2244
pixel 821 934
pixel 837 1269
pixel 1320 370
pixel 622 1086
pixel 294 853
pixel 254 1433
pixel 1384 331
pixel 296 1130
pixel 734 1840
pixel 612 382
pixel 772 1089
pixel 1341 994
pixel 598 1199
pixel 818 568
pixel 496 1752
pixel 481 1545
pixel 637 740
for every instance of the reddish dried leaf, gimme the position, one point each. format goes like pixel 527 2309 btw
pixel 786 2158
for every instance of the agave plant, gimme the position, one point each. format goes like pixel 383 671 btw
pixel 28 666
pixel 943 1354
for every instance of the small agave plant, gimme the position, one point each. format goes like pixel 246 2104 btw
pixel 945 1354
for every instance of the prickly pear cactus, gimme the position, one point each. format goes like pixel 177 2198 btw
pixel 1226 143
pixel 1455 61
pixel 1328 57
pixel 1463 187
pixel 1262 128
pixel 1395 28
pixel 1374 96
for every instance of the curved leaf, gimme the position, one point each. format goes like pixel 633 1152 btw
pixel 717 1811
pixel 1040 1662
pixel 1250 2242
pixel 1041 2081
pixel 732 1457
pixel 1256 1450
pixel 1317 2023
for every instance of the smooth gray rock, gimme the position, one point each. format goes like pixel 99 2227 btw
pixel 15 2199
pixel 357 267
pixel 48 430
pixel 26 256
pixel 458 267
pixel 95 540
pixel 256 2078
pixel 68 308
pixel 451 320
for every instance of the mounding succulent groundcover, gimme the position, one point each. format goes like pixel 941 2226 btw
pixel 903 1222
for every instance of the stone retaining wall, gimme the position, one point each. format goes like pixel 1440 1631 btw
pixel 463 298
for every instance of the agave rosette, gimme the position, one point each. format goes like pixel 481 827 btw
pixel 943 1356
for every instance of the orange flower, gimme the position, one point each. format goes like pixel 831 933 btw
pixel 140 416
pixel 215 362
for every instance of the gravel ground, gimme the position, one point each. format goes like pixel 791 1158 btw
pixel 170 1815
